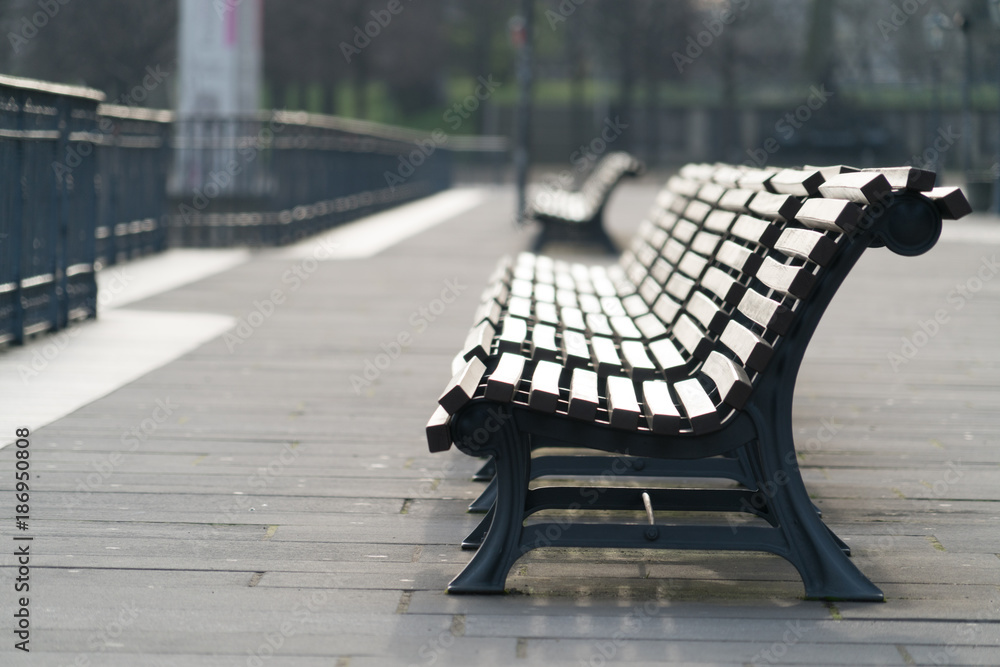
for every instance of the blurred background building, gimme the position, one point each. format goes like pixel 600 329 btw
pixel 772 82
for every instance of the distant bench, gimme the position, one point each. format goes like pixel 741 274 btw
pixel 681 360
pixel 580 213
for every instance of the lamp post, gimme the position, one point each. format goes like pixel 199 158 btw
pixel 994 6
pixel 522 38
pixel 935 23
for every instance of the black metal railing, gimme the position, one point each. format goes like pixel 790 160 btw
pixel 47 213
pixel 273 177
pixel 86 185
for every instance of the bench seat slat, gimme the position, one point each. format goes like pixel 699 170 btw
pixel 462 386
pixel 756 230
pixel 512 334
pixel 521 288
pixel 505 378
pixel 705 243
pixel 519 306
pixel 612 306
pixel 737 200
pixel 907 178
pixel 624 327
pixel 751 349
pixel 860 187
pixel 649 290
pixel 668 357
pixel 692 265
pixel 589 303
pixel 598 325
pixel 698 406
pixel 478 342
pixel 545 293
pixel 623 407
pixel 544 393
pixel 666 308
pixel 950 202
pixel 806 244
pixel 635 305
pixel 438 431
pixel 575 351
pixel 572 318
pixel 835 215
pixel 766 312
pixel 696 211
pixel 796 281
pixel 679 286
pixel 543 342
pixel 673 251
pixel 661 414
pixel 605 356
pixel 546 312
pixel 723 285
pixel 798 182
pixel 685 230
pixel 739 257
pixel 707 312
pixel 583 397
pixel 710 193
pixel 489 311
pixel 774 206
pixel 650 326
pixel 691 337
pixel 720 221
pixel 730 379
pixel 637 361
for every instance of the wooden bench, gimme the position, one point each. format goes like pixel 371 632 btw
pixel 580 213
pixel 680 361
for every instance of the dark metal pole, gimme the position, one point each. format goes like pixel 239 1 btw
pixel 996 167
pixel 522 129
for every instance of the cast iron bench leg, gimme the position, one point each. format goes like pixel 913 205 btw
pixel 487 571
pixel 475 538
pixel 485 473
pixel 818 555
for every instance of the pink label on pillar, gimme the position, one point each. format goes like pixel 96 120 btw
pixel 230 24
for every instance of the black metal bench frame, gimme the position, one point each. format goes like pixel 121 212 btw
pixel 755 447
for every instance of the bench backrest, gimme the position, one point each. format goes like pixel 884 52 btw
pixel 593 193
pixel 727 258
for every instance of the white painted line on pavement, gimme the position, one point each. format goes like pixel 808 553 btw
pixel 59 373
pixel 137 279
pixel 371 235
